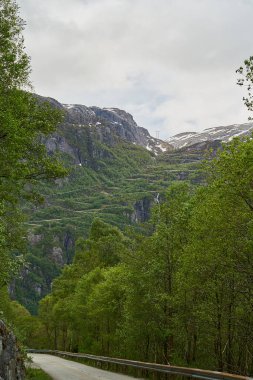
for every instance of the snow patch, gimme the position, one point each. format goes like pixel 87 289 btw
pixel 68 106
pixel 236 135
pixel 214 132
pixel 110 110
pixel 163 149
pixel 181 137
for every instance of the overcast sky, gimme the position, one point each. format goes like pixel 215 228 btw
pixel 170 63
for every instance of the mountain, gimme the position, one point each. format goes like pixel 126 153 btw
pixel 108 124
pixel 115 174
pixel 218 134
pixel 117 171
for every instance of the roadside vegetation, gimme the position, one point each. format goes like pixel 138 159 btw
pixel 36 374
pixel 181 292
pixel 178 290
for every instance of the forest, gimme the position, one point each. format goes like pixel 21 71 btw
pixel 179 293
pixel 178 290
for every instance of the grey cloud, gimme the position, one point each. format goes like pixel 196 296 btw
pixel 170 62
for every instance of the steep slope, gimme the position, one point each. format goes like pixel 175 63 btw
pixel 222 134
pixel 109 125
pixel 117 171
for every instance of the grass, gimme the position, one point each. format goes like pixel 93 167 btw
pixel 36 374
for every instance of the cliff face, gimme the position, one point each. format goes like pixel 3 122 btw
pixel 107 125
pixel 11 363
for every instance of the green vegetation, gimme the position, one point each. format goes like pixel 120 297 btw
pixel 118 184
pixel 24 122
pixel 36 374
pixel 178 291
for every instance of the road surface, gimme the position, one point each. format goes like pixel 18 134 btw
pixel 61 369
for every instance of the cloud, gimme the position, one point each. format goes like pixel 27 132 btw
pixel 169 62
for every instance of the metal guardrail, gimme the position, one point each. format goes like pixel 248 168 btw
pixel 152 367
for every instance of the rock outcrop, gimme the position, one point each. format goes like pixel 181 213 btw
pixel 142 210
pixel 108 125
pixel 11 362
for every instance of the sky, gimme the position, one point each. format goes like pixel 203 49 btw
pixel 170 63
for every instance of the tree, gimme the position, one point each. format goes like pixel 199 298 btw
pixel 102 248
pixel 14 62
pixel 24 120
pixel 214 292
pixel 151 271
pixel 246 78
pixel 83 290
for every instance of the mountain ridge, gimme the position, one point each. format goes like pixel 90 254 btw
pixel 222 133
pixel 109 123
pixel 114 175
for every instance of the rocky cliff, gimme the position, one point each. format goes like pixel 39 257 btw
pixel 11 363
pixel 107 125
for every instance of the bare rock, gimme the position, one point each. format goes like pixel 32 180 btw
pixel 57 256
pixel 11 361
pixel 34 239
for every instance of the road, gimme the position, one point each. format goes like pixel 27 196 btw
pixel 61 369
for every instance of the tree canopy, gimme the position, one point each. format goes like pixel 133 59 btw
pixel 24 120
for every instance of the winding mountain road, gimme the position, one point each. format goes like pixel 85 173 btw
pixel 61 369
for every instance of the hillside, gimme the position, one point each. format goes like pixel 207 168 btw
pixel 116 172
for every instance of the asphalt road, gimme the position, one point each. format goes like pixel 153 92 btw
pixel 61 369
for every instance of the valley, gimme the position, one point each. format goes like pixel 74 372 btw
pixel 117 171
pixel 118 248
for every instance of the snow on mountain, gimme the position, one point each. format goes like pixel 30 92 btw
pixel 119 122
pixel 222 133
